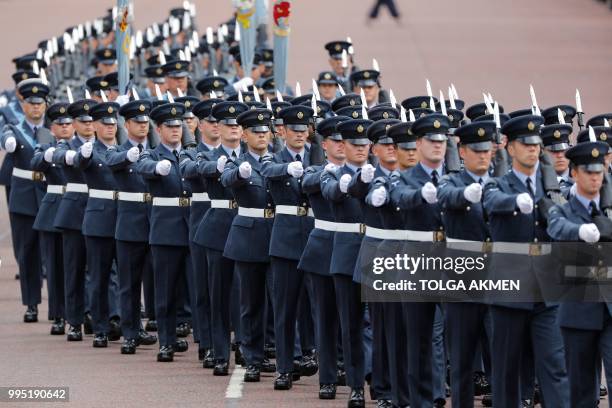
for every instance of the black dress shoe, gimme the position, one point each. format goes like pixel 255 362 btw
pixel 128 346
pixel 181 346
pixel 145 338
pixel 201 353
pixel 115 329
pixel 327 391
pixel 283 382
pixel 270 351
pixel 87 325
pixel 221 368
pixel 238 358
pixel 252 374
pixel 309 366
pixel 341 378
pixel 31 314
pixel 16 276
pixel 182 330
pixel 487 400
pixel 527 403
pixel 100 340
pixel 209 359
pixel 74 333
pixel 384 404
pixel 166 354
pixel 267 366
pixel 439 403
pixel 234 346
pixel 356 400
pixel 151 326
pixel 58 327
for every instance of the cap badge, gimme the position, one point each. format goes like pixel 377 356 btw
pixel 385 115
pixel 352 102
pixel 215 83
pixel 451 118
pixel 178 65
pixel 318 109
pixel 260 117
pixel 327 75
pixel 110 110
pixel 300 115
pixel 35 89
pixel 557 134
pixel 387 127
pixel 424 105
pixel 141 108
pixel 62 110
pixel 366 74
pixel 530 126
pixel 159 71
pixel 24 76
pixel 187 104
pixel 355 114
pixel 595 153
pixel 278 109
pixel 86 107
pixel 108 53
pixel 103 84
pixel 360 129
pixel 173 111
pixel 247 98
pixel 232 109
pixel 338 47
pixel 603 136
pixel 481 132
pixel 436 124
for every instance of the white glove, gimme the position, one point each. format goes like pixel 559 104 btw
pixel 87 149
pixel 246 81
pixel 367 173
pixel 344 182
pixel 524 203
pixel 245 170
pixel 221 163
pixel 379 196
pixel 3 101
pixel 48 155
pixel 163 167
pixel 11 144
pixel 133 154
pixel 473 193
pixel 122 99
pixel 588 233
pixel 69 157
pixel 429 192
pixel 295 169
pixel 330 168
pixel 572 191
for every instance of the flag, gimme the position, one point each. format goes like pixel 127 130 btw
pixel 281 12
pixel 245 19
pixel 123 37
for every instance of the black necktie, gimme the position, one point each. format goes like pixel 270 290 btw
pixel 175 153
pixel 530 187
pixel 298 158
pixel 480 181
pixel 434 178
pixel 260 159
pixel 141 148
pixel 234 155
pixel 594 210
pixel 35 130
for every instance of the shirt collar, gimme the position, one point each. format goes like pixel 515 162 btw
pixel 352 167
pixel 429 170
pixel 585 201
pixel 476 177
pixel 32 125
pixel 229 150
pixel 171 149
pixel 293 154
pixel 565 175
pixel 84 140
pixel 384 170
pixel 135 143
pixel 255 155
pixel 210 147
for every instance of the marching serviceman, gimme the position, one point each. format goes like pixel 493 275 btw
pixel 27 191
pixel 347 242
pixel 215 226
pixel 132 227
pixel 586 326
pixel 249 235
pixel 169 224
pixel 51 237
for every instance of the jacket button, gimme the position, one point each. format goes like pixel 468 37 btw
pixel 397 209
pixel 183 179
pixel 184 192
pixel 535 206
pixel 514 213
pixel 537 223
pixel 250 182
pixel 269 205
pixel 130 170
pixel 267 191
pixel 535 240
pixel 288 183
pixel 468 208
pixel 99 164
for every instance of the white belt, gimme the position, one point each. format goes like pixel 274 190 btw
pixel 104 194
pixel 522 248
pixel 353 227
pixel 325 225
pixel 171 201
pixel 469 245
pixel 405 235
pixel 55 189
pixel 294 210
pixel 227 204
pixel 28 174
pixel 256 212
pixel 199 197
pixel 134 197
pixel 76 188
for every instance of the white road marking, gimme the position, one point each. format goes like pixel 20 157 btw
pixel 234 388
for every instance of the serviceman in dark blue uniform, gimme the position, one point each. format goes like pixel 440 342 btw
pixel 215 226
pixel 169 223
pixel 69 217
pixel 100 215
pixel 200 203
pixel 248 239
pixel 27 191
pixel 519 238
pixel 51 237
pixel 586 326
pixel 468 234
pixel 347 242
pixel 316 258
pixel 556 139
pixel 416 193
pixel 132 227
pixel 292 226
